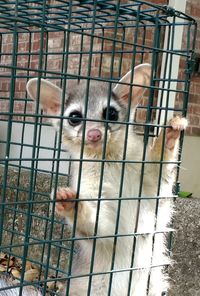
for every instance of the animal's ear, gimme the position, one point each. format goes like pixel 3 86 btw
pixel 141 79
pixel 49 95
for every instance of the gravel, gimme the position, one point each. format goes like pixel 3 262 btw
pixel 185 272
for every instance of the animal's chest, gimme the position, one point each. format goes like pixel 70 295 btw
pixel 109 180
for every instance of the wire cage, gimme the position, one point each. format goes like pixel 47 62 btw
pixel 63 42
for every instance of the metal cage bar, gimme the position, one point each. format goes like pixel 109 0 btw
pixel 83 41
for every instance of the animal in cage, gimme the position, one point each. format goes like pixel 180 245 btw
pixel 120 224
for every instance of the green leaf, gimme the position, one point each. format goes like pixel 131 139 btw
pixel 185 194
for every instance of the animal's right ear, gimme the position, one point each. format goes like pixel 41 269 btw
pixel 49 95
pixel 141 79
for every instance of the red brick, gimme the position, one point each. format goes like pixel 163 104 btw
pixel 193 108
pixel 195 11
pixel 194 120
pixel 189 131
pixel 195 131
pixel 194 98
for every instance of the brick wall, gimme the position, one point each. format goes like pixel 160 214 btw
pixel 32 52
pixel 193 9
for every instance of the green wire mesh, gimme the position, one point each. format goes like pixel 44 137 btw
pixel 63 40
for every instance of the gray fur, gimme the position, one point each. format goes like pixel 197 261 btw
pixel 91 101
pixel 97 90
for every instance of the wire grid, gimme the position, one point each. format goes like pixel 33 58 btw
pixel 61 41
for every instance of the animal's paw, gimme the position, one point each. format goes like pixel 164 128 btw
pixel 177 124
pixel 65 200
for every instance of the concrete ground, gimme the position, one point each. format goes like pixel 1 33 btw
pixel 185 272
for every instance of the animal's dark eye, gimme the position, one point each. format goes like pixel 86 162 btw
pixel 110 114
pixel 75 118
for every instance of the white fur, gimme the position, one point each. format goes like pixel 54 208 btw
pixel 140 216
pixel 143 256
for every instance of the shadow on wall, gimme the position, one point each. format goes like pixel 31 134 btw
pixel 21 148
pixel 190 166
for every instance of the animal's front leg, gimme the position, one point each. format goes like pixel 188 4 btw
pixel 161 178
pixel 164 206
pixel 172 135
pixel 67 204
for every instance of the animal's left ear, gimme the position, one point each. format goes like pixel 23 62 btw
pixel 50 95
pixel 141 79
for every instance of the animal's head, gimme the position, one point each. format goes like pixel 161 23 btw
pixel 93 112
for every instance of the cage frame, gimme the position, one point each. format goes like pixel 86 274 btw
pixel 20 21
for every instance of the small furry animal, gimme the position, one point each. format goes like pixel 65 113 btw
pixel 116 201
pixel 6 282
